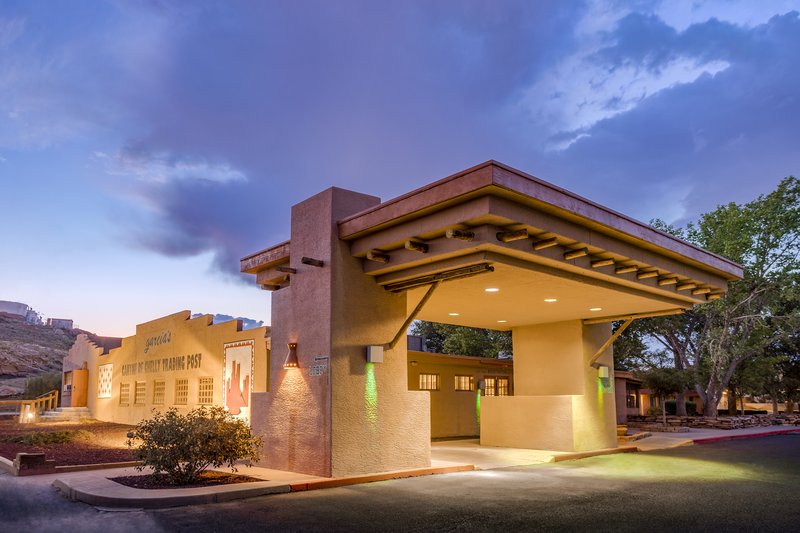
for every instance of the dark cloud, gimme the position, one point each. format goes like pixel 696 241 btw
pixel 723 137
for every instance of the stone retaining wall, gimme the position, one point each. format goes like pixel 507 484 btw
pixel 722 422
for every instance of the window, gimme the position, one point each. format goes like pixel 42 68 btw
pixel 124 393
pixel 181 391
pixel 496 386
pixel 466 383
pixel 159 388
pixel 138 393
pixel 502 387
pixel 429 382
pixel 632 398
pixel 206 392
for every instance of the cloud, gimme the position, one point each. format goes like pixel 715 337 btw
pixel 720 137
pixel 164 168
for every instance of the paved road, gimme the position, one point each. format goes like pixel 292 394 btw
pixel 749 485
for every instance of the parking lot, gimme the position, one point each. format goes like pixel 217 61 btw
pixel 746 485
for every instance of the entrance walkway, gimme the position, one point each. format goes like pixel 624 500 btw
pixel 469 451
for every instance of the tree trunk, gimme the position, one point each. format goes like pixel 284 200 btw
pixel 711 403
pixel 774 405
pixel 680 404
pixel 789 406
pixel 664 410
pixel 741 402
pixel 731 401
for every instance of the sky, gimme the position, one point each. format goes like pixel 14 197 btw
pixel 146 146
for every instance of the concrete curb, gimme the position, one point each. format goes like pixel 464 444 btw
pixel 369 478
pixel 7 466
pixel 593 453
pixel 107 493
pixel 100 491
pixel 721 438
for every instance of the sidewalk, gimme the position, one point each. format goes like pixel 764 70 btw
pixel 660 441
pixel 94 487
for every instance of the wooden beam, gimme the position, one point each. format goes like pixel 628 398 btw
pixel 460 234
pixel 610 341
pixel 686 286
pixel 378 257
pixel 545 243
pixel 512 235
pixel 625 269
pixel 312 262
pixel 416 246
pixel 286 269
pixel 574 254
pixel 606 319
pixel 602 263
pixel 403 329
pixel 702 290
pixel 667 281
pixel 647 274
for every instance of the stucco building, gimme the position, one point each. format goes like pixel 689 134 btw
pixel 488 247
pixel 174 361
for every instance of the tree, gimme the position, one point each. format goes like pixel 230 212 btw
pixel 462 340
pixel 713 339
pixel 664 382
pixel 182 446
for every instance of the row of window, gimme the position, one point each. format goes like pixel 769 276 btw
pixel 493 385
pixel 205 392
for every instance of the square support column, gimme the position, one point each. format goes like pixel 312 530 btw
pixel 560 403
pixel 335 414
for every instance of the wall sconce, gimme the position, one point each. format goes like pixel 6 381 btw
pixel 602 372
pixel 375 354
pixel 291 356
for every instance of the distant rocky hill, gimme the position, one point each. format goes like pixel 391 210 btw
pixel 27 350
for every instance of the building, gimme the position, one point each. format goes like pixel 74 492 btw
pixel 174 361
pixel 488 247
pixel 60 323
pixel 14 308
pixel 456 384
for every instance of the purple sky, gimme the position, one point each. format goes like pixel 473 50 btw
pixel 146 146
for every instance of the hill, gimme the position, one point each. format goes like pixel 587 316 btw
pixel 27 350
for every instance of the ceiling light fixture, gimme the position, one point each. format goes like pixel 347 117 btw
pixel 453 314
pixel 595 309
pixel 492 289
pixel 502 321
pixel 550 300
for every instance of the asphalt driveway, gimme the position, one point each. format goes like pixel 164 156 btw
pixel 747 485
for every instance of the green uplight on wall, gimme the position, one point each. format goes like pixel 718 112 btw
pixel 478 407
pixel 371 396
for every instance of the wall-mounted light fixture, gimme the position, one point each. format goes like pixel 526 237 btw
pixel 375 354
pixel 291 356
pixel 602 372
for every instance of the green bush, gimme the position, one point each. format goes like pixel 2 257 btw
pixel 40 438
pixel 672 408
pixel 182 446
pixel 42 384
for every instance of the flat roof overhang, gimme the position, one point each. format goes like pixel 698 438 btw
pixel 542 242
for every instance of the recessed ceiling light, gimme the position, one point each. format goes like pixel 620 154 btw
pixel 550 300
pixel 453 314
pixel 595 309
pixel 502 321
pixel 492 289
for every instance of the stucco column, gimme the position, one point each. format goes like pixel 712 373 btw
pixel 335 414
pixel 559 402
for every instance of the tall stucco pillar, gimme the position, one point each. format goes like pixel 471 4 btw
pixel 559 401
pixel 335 414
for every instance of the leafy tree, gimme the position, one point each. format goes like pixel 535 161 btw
pixel 182 446
pixel 664 382
pixel 42 384
pixel 712 340
pixel 461 340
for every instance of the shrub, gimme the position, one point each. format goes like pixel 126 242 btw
pixel 182 446
pixel 42 384
pixel 41 438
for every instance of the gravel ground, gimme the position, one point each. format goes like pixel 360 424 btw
pixel 99 442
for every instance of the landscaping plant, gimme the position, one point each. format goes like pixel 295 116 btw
pixel 182 446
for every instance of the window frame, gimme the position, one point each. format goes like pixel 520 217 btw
pixel 435 381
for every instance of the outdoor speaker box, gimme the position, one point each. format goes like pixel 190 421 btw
pixel 375 354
